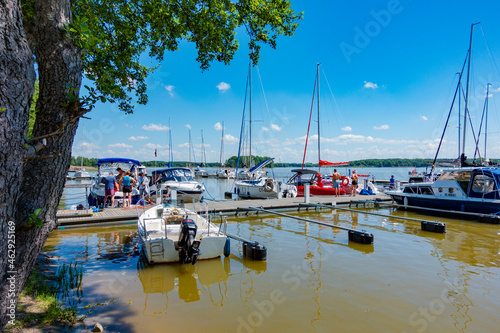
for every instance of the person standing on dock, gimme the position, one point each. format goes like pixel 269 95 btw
pixel 127 183
pixel 354 182
pixel 109 189
pixel 144 187
pixel 336 182
pixel 392 182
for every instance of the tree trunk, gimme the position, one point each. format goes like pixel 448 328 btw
pixel 36 180
pixel 17 79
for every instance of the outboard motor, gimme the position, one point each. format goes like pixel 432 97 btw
pixel 188 247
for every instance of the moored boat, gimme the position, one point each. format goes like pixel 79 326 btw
pixel 472 190
pixel 179 179
pixel 175 234
pixel 105 166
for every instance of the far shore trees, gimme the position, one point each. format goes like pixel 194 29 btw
pixel 59 42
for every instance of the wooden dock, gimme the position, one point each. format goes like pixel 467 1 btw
pixel 226 207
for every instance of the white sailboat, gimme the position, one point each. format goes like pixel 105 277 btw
pixel 223 172
pixel 255 183
pixel 199 171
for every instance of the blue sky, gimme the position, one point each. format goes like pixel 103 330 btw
pixel 388 73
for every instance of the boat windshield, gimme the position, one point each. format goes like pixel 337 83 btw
pixel 178 175
pixel 458 175
pixel 105 169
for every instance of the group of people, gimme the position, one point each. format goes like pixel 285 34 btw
pixel 124 180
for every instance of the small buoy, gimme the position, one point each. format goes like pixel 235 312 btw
pixel 360 237
pixel 255 251
pixel 439 227
pixel 227 247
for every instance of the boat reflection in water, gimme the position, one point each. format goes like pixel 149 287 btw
pixel 188 281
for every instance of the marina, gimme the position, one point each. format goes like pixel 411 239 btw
pixel 314 278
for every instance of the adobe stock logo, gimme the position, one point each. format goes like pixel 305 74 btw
pixel 363 37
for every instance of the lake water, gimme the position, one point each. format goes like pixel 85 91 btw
pixel 314 280
pixel 216 188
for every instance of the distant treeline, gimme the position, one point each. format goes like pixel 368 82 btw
pixel 244 161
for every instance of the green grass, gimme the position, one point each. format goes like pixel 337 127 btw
pixel 51 309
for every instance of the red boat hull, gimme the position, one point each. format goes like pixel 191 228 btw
pixel 316 190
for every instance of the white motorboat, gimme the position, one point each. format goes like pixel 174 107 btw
pixel 179 179
pixel 199 172
pixel 225 173
pixel 175 234
pixel 105 166
pixel 264 187
pixel 82 174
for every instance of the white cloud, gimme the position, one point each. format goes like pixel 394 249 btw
pixel 223 86
pixel 154 145
pixel 119 145
pixel 496 90
pixel 88 146
pixel 264 128
pixel 383 127
pixel 275 127
pixel 188 126
pixel 347 129
pixel 218 127
pixel 424 118
pixel 138 138
pixel 230 139
pixel 170 88
pixel 370 85
pixel 155 127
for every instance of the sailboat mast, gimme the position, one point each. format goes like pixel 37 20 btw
pixel 250 110
pixel 319 134
pixel 467 94
pixel 189 148
pixel 170 154
pixel 486 123
pixel 459 127
pixel 221 146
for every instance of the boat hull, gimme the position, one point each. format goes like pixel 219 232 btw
pixel 316 190
pixel 460 205
pixel 159 232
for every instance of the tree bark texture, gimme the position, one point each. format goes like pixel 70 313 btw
pixel 17 79
pixel 35 180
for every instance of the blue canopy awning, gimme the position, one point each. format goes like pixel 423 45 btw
pixel 261 164
pixel 117 160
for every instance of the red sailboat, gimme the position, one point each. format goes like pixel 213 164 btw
pixel 318 185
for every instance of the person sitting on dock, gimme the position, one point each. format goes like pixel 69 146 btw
pixel 336 182
pixel 109 188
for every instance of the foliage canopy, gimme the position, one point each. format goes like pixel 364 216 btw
pixel 114 34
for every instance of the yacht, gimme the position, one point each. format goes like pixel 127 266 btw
pixel 467 189
pixel 180 179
